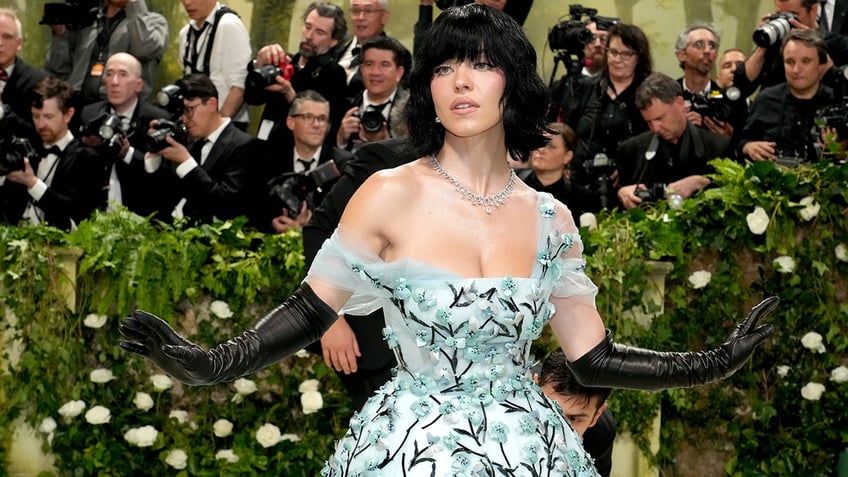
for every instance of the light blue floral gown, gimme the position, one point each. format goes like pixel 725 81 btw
pixel 461 403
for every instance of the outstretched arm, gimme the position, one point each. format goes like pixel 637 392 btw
pixel 597 361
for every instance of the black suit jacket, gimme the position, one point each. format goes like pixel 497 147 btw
pixel 697 146
pixel 370 158
pixel 220 187
pixel 276 168
pixel 74 193
pixel 136 185
pixel 321 74
pixel 18 91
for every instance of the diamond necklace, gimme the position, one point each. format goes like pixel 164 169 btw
pixel 487 201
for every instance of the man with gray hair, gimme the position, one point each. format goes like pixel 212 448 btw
pixel 17 78
pixel 670 159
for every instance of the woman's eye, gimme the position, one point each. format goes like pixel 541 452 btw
pixel 442 70
pixel 483 66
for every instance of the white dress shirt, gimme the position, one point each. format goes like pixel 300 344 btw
pixel 46 170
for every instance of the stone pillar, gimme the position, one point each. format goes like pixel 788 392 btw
pixel 627 459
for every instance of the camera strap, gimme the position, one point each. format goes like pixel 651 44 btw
pixel 192 49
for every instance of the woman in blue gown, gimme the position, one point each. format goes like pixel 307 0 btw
pixel 469 264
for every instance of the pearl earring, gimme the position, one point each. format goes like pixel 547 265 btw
pixel 438 120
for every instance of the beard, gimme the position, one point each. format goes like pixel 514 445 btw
pixel 308 50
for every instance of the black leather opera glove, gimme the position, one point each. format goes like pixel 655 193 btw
pixel 618 366
pixel 299 321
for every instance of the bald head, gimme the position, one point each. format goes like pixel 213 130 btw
pixel 123 81
pixel 127 61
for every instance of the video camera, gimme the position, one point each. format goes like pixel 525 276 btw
pixel 572 34
pixel 599 169
pixel 775 28
pixel 289 191
pixel 104 133
pixel 13 150
pixel 262 76
pixel 717 105
pixel 74 14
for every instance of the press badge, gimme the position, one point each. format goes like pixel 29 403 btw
pixel 96 70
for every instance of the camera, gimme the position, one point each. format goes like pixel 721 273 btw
pixel 74 14
pixel 775 28
pixel 572 34
pixel 289 191
pixel 717 105
pixel 604 23
pixel 13 150
pixel 832 116
pixel 445 4
pixel 170 98
pixel 372 120
pixel 261 76
pixel 164 129
pixel 599 169
pixel 105 133
pixel 653 193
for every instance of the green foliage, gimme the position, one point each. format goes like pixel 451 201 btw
pixel 759 417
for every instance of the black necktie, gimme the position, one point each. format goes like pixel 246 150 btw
pixel 306 164
pixel 356 59
pixel 823 28
pixel 197 150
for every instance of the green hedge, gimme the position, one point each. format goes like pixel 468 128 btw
pixel 759 415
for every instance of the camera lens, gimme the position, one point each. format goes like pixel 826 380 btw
pixel 372 121
pixel 263 76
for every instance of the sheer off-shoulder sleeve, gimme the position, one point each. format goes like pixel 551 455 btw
pixel 564 247
pixel 345 263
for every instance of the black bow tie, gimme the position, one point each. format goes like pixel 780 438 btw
pixel 52 150
pixel 4 76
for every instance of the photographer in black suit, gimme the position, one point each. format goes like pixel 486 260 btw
pixel 670 159
pixel 129 185
pixel 17 78
pixel 61 184
pixel 212 179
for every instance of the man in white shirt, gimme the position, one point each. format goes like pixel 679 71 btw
pixel 216 43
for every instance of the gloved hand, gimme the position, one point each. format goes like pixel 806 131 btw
pixel 618 366
pixel 302 319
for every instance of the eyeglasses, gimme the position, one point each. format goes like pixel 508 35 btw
pixel 188 111
pixel 309 117
pixel 367 11
pixel 624 54
pixel 601 38
pixel 701 44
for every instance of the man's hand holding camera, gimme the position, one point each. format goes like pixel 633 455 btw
pixel 719 127
pixel 352 124
pixel 174 151
pixel 25 177
pixel 283 223
pixel 760 150
pixel 274 54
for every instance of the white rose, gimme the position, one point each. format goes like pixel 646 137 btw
pixel 220 309
pixel 227 455
pixel 308 385
pixel 141 436
pixel 180 415
pixel 268 435
pixel 177 459
pixel 588 220
pixel 101 375
pixel 700 279
pixel 222 428
pixel 784 264
pixel 758 221
pixel 143 401
pixel 811 208
pixel 311 401
pixel 48 425
pixel 98 415
pixel 841 253
pixel 93 320
pixel 302 354
pixel 71 408
pixel 812 391
pixel 783 370
pixel 244 386
pixel 290 437
pixel 813 342
pixel 839 375
pixel 161 382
